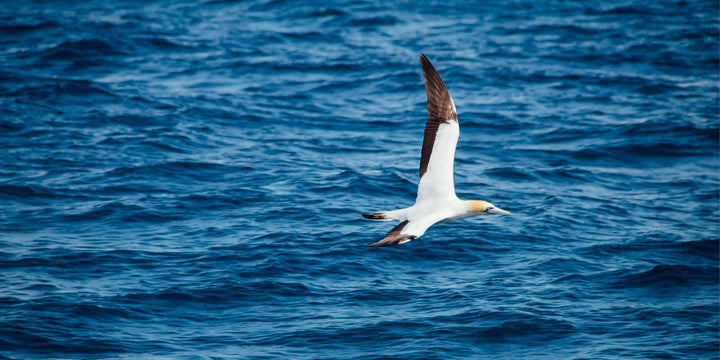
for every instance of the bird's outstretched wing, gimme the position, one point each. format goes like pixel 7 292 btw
pixel 440 139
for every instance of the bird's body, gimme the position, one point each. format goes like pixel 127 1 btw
pixel 436 200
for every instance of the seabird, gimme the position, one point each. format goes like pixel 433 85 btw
pixel 436 200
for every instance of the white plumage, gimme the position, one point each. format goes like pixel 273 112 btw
pixel 436 200
pixel 437 182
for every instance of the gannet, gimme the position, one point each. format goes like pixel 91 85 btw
pixel 436 200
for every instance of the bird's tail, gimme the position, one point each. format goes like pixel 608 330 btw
pixel 399 215
pixel 377 216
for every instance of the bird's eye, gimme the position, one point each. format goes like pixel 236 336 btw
pixel 487 209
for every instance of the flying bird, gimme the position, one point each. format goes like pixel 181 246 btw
pixel 436 200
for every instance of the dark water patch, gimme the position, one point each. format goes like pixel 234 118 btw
pixel 657 89
pixel 385 20
pixel 509 174
pixel 562 134
pixel 163 146
pixel 234 199
pixel 623 10
pixel 84 65
pixel 567 265
pixel 10 126
pixel 500 327
pixel 707 249
pixel 484 120
pixel 626 153
pixel 7 301
pixel 36 194
pixel 162 44
pixel 70 50
pixel 649 241
pixel 233 118
pixel 380 296
pixel 11 77
pixel 219 294
pixel 356 183
pixel 311 36
pixel 389 182
pixel 360 334
pixel 671 128
pixel 101 313
pixel 655 150
pixel 567 32
pixel 65 92
pixel 671 276
pixel 117 212
pixel 24 28
pixel 338 67
pixel 97 118
pixel 51 343
pixel 566 175
pixel 82 263
pixel 25 263
pixel 201 171
pixel 127 188
pixel 671 60
pixel 332 12
pixel 536 331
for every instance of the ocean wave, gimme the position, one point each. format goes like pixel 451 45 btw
pixel 118 212
pixel 37 194
pixel 23 28
pixel 70 50
pixel 671 276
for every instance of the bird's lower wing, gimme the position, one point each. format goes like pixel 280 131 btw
pixel 395 236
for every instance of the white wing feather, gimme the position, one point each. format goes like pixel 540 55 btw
pixel 437 182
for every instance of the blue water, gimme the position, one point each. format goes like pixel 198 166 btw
pixel 185 180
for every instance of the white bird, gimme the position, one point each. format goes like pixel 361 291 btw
pixel 436 200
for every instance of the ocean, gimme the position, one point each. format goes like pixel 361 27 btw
pixel 185 180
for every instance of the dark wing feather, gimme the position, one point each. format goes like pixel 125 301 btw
pixel 394 237
pixel 439 106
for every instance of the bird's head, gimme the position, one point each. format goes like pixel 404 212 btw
pixel 479 207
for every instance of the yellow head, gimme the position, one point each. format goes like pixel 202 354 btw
pixel 483 207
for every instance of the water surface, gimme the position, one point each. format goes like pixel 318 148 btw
pixel 185 180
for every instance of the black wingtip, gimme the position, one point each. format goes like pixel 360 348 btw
pixel 393 240
pixel 430 73
pixel 424 60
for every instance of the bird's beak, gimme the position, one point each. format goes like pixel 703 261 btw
pixel 498 211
